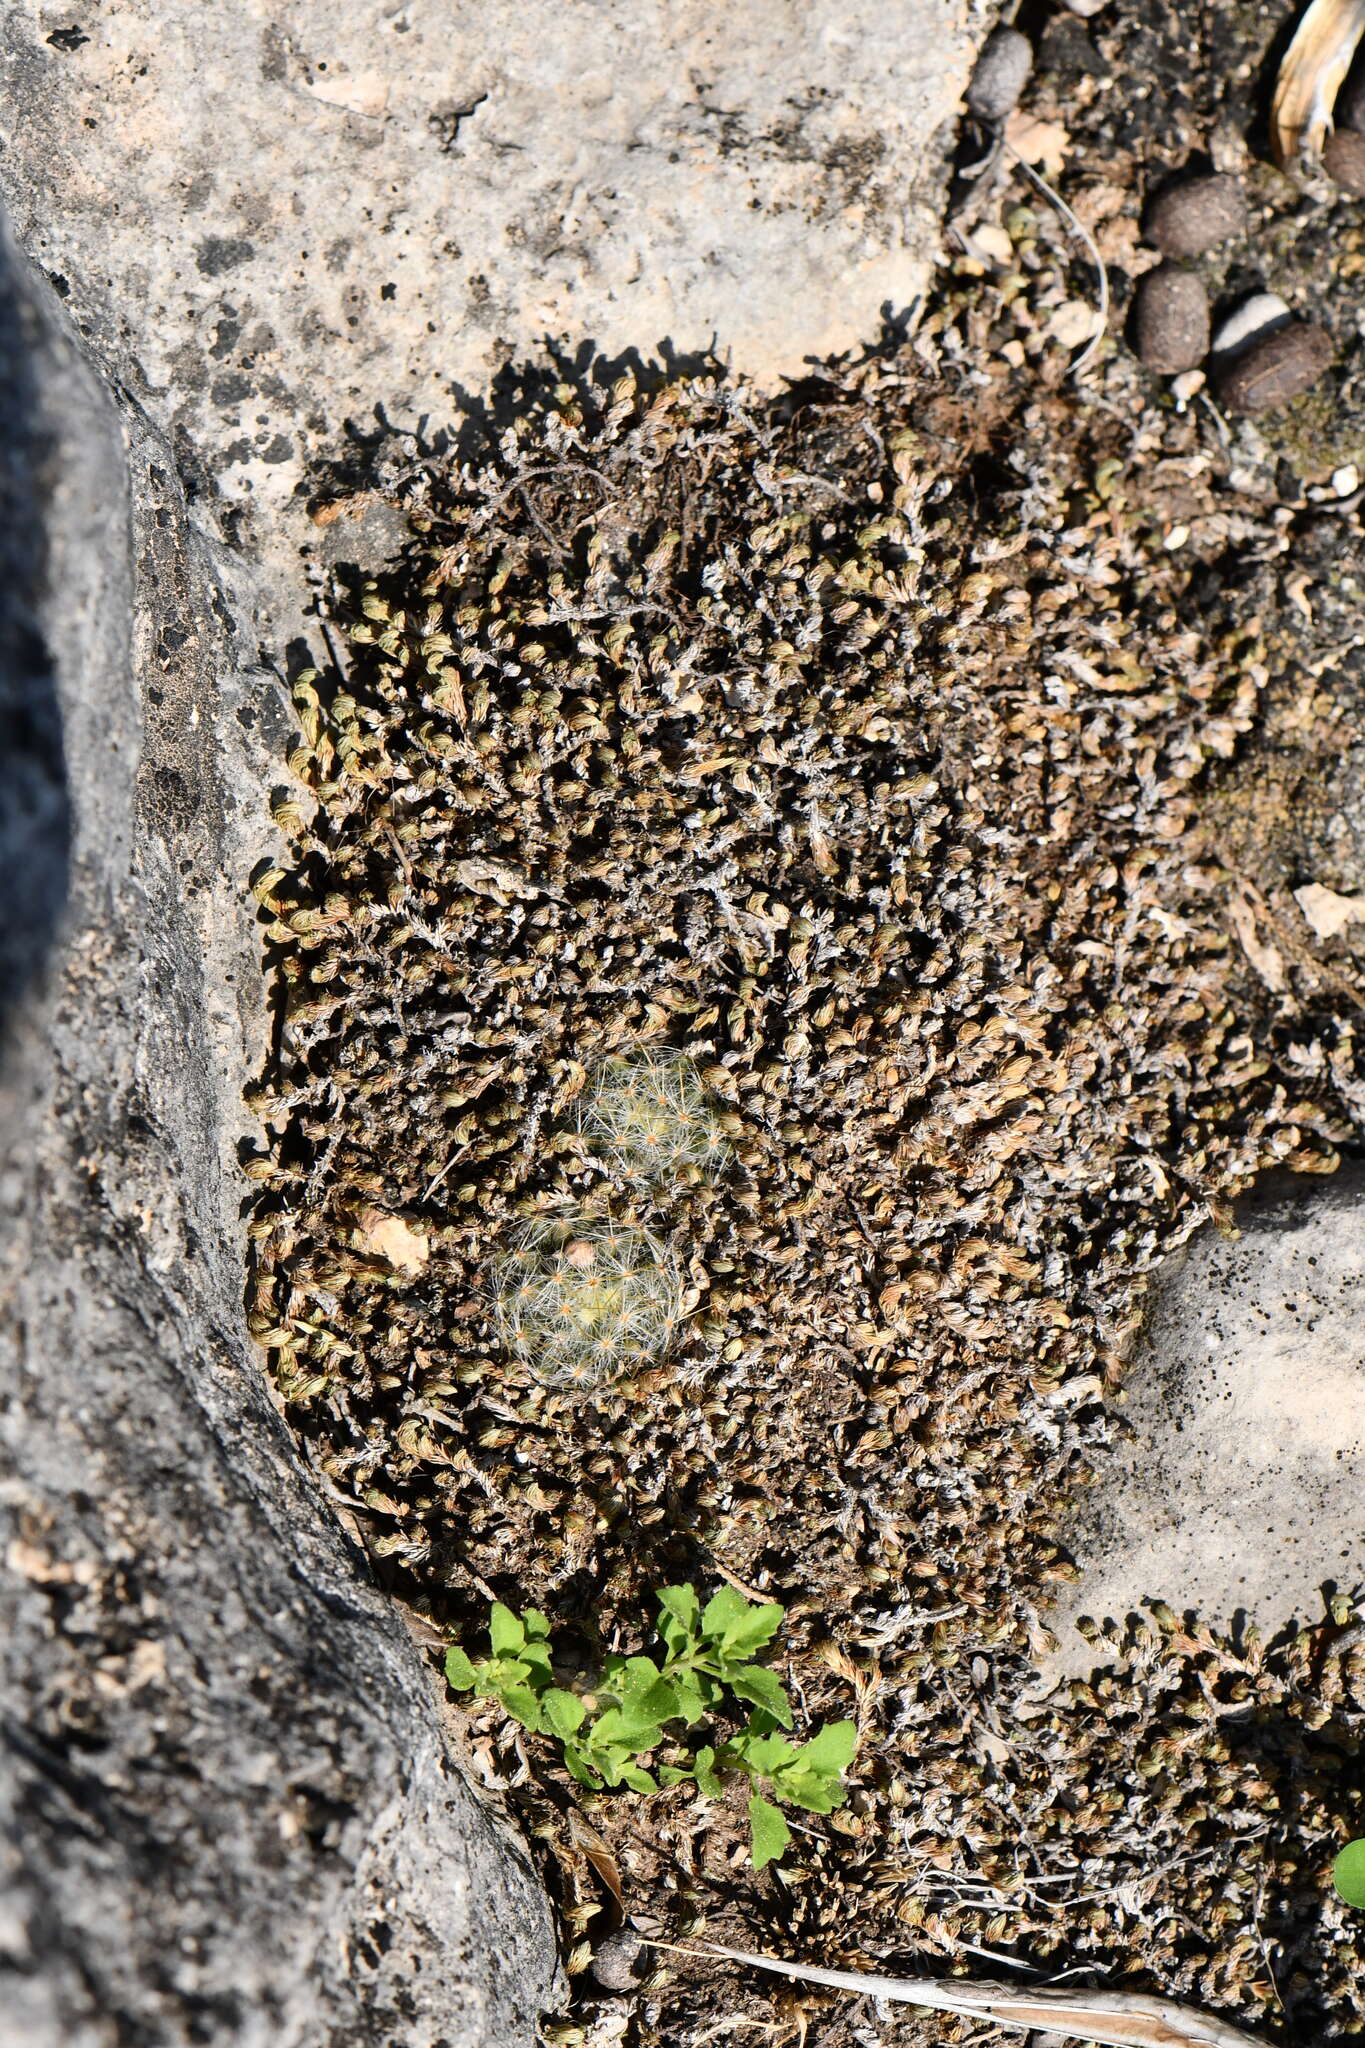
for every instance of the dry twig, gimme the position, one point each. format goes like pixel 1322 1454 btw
pixel 1124 2019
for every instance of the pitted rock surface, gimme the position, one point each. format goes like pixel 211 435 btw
pixel 1236 1484
pixel 228 1811
pixel 283 217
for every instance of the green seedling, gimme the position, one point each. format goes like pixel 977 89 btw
pixel 633 1707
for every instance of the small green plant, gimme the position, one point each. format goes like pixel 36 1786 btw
pixel 626 1713
pixel 1348 1873
pixel 583 1302
pixel 652 1115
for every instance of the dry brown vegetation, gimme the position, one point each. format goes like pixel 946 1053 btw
pixel 864 746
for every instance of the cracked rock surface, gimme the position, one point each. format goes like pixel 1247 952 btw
pixel 281 216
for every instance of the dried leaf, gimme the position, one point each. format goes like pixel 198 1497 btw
pixel 1311 75
pixel 1326 911
pixel 394 1240
pixel 603 1862
pixel 1039 142
pixel 1264 957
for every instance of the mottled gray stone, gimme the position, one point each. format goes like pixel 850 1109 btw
pixel 280 217
pixel 1000 74
pixel 1237 1482
pixel 227 1809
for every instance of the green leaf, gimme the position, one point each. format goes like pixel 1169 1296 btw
pixel 629 1733
pixel 505 1632
pixel 638 1780
pixel 651 1703
pixel 831 1748
pixel 736 1626
pixel 693 1694
pixel 704 1771
pixel 612 1765
pixel 563 1712
pixel 1348 1874
pixel 634 1672
pixel 534 1658
pixel 522 1704
pixel 769 1832
pixel 645 1695
pixel 682 1603
pixel 761 1688
pixel 766 1754
pixel 805 1788
pixel 459 1670
pixel 496 1674
pixel 726 1609
pixel 679 1619
pixel 579 1767
pixel 536 1626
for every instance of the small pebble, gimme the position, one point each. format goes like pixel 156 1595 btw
pixel 1001 74
pixel 1343 159
pixel 1261 314
pixel 1275 369
pixel 1171 320
pixel 1085 8
pixel 614 1961
pixel 1190 218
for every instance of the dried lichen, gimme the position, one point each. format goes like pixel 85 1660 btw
pixel 851 746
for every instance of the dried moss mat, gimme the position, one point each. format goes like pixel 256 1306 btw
pixel 856 746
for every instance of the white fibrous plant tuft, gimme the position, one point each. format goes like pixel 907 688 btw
pixel 652 1115
pixel 588 1301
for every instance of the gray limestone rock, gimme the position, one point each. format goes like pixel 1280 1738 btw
pixel 280 218
pixel 1237 1483
pixel 228 1812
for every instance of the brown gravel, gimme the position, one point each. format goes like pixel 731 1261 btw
pixel 1275 369
pixel 1193 216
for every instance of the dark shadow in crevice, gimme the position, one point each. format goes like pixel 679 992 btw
pixel 35 814
pixel 382 457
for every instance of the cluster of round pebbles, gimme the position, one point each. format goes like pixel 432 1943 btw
pixel 1258 357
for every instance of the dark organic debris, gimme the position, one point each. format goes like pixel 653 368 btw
pixel 851 751
pixel 1171 320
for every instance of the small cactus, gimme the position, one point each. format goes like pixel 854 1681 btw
pixel 651 1114
pixel 586 1301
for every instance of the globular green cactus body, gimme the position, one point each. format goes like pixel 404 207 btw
pixel 585 1301
pixel 650 1115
